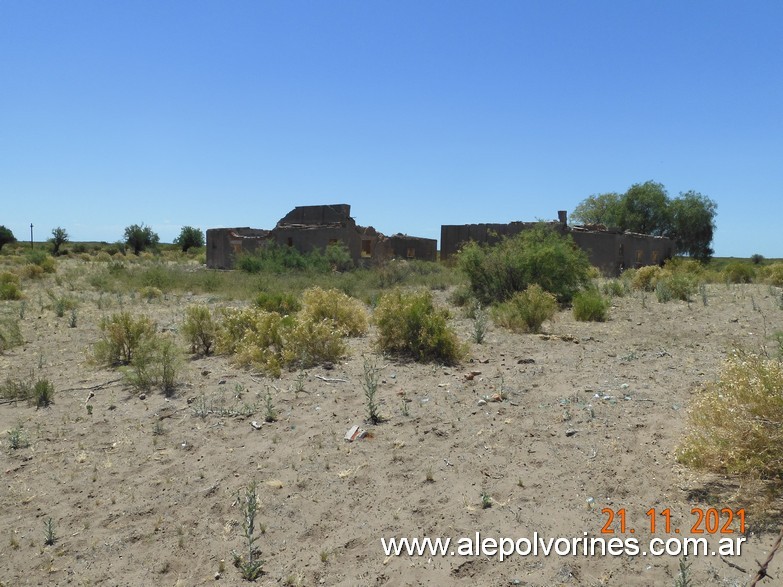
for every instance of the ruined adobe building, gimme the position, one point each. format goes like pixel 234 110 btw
pixel 310 228
pixel 611 250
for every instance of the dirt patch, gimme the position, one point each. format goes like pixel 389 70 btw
pixel 144 492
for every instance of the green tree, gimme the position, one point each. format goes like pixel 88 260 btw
pixel 599 209
pixel 693 224
pixel 645 209
pixel 6 236
pixel 140 238
pixel 189 237
pixel 59 238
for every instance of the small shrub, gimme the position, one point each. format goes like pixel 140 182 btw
pixel 122 334
pixel 253 336
pixel 527 310
pixel 17 437
pixel 663 292
pixel 410 325
pixel 646 278
pixel 157 277
pixel 757 259
pixel 9 286
pixel 308 342
pixel 10 333
pixel 61 304
pixel 370 384
pixel 150 293
pixel 682 286
pixel 16 390
pixel 250 566
pixel 43 393
pixel 773 274
pixel 739 272
pixel 199 329
pixel 42 259
pixel 480 324
pixel 347 313
pixel 338 257
pixel 736 422
pixel 282 303
pixel 32 271
pixel 50 537
pixel 155 364
pixel 615 288
pixel 590 306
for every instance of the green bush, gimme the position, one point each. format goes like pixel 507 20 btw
pixel 663 293
pixel 646 278
pixel 739 272
pixel 268 341
pixel 150 293
pixel 121 336
pixel 736 423
pixel 16 389
pixel 526 311
pixel 155 364
pixel 308 342
pixel 338 257
pixel 279 259
pixel 590 306
pixel 615 288
pixel 536 256
pixel 348 314
pixel 42 259
pixel 282 303
pixel 410 325
pixel 773 274
pixel 9 286
pixel 43 393
pixel 10 333
pixel 253 337
pixel 682 286
pixel 199 329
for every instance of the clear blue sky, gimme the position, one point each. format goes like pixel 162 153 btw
pixel 417 113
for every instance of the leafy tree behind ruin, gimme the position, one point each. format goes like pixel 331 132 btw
pixel 688 219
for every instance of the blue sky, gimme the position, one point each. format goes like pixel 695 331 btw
pixel 417 113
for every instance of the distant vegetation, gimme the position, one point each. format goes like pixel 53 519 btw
pixel 688 219
pixel 189 238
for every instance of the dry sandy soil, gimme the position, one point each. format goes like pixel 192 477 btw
pixel 144 491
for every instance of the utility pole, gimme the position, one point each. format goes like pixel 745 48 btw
pixel 31 235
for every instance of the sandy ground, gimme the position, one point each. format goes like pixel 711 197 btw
pixel 144 491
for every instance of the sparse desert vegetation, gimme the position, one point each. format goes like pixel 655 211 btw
pixel 164 434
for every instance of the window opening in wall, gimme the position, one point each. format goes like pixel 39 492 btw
pixel 639 257
pixel 655 257
pixel 366 247
pixel 290 241
pixel 333 241
pixel 622 251
pixel 411 252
